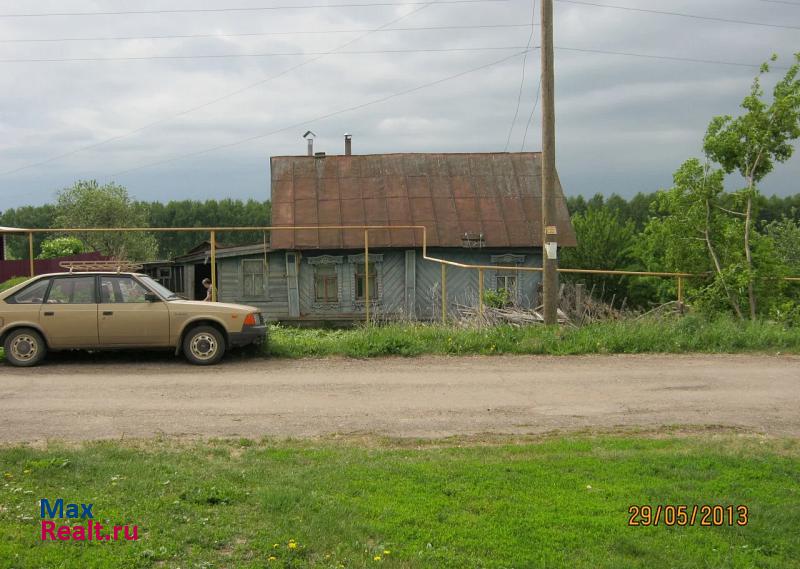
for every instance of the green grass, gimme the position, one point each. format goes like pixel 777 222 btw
pixel 690 334
pixel 675 335
pixel 561 502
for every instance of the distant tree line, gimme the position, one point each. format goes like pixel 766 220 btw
pixel 87 204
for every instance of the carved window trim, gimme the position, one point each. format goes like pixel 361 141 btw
pixel 508 260
pixel 321 260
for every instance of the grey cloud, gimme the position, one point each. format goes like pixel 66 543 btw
pixel 624 124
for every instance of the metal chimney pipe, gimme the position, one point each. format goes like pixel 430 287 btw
pixel 309 136
pixel 348 144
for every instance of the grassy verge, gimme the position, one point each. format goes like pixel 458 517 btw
pixel 683 335
pixel 560 503
pixel 690 334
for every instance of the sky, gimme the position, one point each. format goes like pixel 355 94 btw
pixel 177 126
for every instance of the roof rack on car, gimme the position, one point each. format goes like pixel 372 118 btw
pixel 84 266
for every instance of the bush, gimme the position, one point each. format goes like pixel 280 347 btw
pixel 12 282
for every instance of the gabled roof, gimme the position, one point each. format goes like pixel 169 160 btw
pixel 493 195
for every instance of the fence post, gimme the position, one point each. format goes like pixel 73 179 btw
pixel 213 266
pixel 480 292
pixel 30 254
pixel 366 275
pixel 444 294
pixel 680 294
pixel 579 299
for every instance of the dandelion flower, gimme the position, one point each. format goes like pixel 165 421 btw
pixel 272 558
pixel 292 545
pixel 376 558
pixel 386 552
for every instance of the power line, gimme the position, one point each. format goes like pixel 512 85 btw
pixel 270 54
pixel 665 57
pixel 678 14
pixel 522 80
pixel 262 34
pixel 527 48
pixel 309 121
pixel 239 9
pixel 221 98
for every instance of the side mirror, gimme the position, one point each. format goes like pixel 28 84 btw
pixel 151 297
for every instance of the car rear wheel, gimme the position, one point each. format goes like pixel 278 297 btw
pixel 25 348
pixel 204 345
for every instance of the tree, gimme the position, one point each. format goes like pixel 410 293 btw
pixel 604 242
pixel 27 217
pixel 693 233
pixel 87 204
pixel 751 144
pixel 61 247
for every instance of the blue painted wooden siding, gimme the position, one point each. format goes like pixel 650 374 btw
pixel 405 281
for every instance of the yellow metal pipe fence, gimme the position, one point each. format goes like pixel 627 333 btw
pixel 213 231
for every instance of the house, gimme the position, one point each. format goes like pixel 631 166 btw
pixel 477 208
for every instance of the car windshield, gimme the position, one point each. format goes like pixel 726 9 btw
pixel 158 288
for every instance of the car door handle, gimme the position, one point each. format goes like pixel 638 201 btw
pixel 108 313
pixel 49 313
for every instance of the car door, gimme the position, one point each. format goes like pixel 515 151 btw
pixel 125 316
pixel 68 315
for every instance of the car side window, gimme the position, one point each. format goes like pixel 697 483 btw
pixel 72 290
pixel 33 294
pixel 121 290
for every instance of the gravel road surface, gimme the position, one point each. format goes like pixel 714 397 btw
pixel 112 396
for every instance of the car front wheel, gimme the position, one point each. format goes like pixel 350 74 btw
pixel 25 348
pixel 204 345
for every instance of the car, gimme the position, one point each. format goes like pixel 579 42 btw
pixel 100 310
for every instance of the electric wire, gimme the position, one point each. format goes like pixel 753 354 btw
pixel 269 54
pixel 261 34
pixel 678 14
pixel 522 80
pixel 221 98
pixel 238 9
pixel 306 122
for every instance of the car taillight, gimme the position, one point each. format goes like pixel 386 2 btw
pixel 250 320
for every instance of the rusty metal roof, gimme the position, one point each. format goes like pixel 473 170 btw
pixel 493 195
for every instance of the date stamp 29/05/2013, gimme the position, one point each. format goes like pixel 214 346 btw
pixel 705 515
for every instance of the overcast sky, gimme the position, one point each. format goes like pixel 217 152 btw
pixel 624 124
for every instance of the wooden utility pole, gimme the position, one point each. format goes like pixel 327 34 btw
pixel 549 233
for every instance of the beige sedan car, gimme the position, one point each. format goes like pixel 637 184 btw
pixel 108 310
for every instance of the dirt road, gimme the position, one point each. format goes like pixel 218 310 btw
pixel 83 398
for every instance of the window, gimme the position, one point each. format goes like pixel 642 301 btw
pixel 253 277
pixel 506 281
pixel 72 290
pixel 361 281
pixel 326 283
pixel 121 290
pixel 33 294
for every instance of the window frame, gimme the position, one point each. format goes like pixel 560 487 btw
pixel 92 278
pixel 121 277
pixel 359 273
pixel 13 298
pixel 333 277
